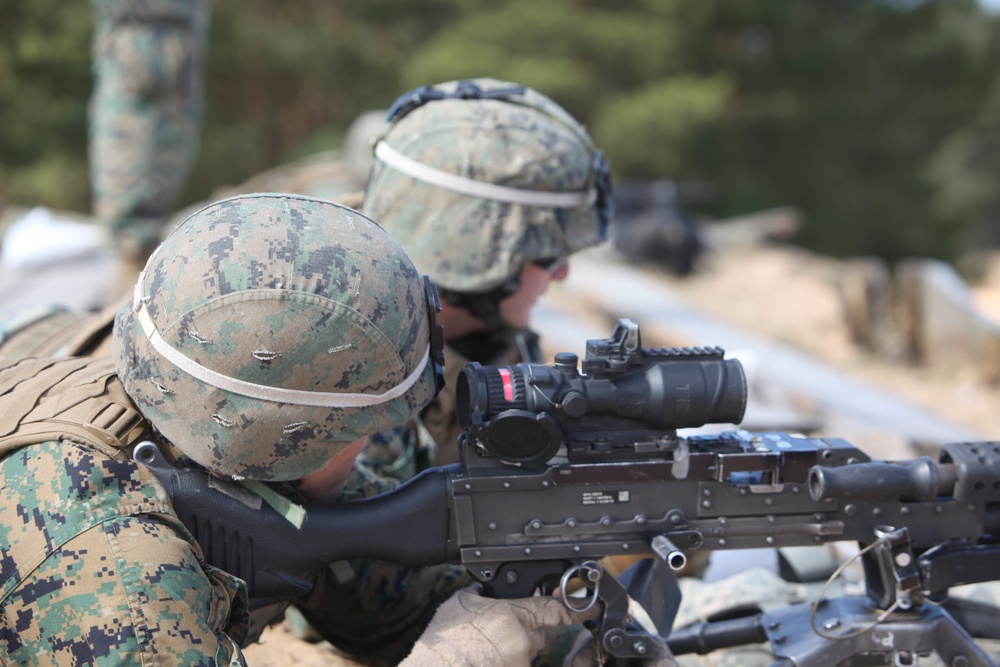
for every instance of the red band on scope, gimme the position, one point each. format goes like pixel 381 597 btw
pixel 508 386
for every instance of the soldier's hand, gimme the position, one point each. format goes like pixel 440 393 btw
pixel 470 630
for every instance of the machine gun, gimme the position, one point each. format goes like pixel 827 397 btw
pixel 562 466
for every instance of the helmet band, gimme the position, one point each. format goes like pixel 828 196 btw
pixel 264 392
pixel 467 186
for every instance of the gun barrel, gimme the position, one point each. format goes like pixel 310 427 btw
pixel 878 480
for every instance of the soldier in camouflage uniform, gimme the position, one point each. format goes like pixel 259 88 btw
pixel 148 62
pixel 268 336
pixel 490 187
pixel 144 115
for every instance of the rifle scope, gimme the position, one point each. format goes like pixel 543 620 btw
pixel 522 411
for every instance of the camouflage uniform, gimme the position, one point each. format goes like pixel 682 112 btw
pixel 374 611
pixel 477 179
pixel 121 516
pixel 144 113
pixel 96 567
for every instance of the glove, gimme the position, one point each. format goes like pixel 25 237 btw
pixel 470 630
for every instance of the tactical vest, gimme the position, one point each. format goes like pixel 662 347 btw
pixel 82 401
pixel 54 331
pixel 78 399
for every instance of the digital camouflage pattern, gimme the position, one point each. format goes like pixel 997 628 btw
pixel 471 244
pixel 144 112
pixel 97 569
pixel 401 452
pixel 282 292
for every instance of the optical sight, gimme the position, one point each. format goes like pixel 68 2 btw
pixel 524 412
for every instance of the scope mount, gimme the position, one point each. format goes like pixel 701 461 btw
pixel 622 349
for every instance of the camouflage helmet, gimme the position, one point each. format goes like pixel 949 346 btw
pixel 268 331
pixel 478 178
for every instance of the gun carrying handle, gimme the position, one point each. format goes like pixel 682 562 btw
pixel 878 480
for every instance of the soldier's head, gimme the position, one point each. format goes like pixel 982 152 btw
pixel 482 181
pixel 271 332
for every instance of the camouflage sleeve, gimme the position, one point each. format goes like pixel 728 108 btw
pixel 375 611
pixel 88 580
pixel 399 453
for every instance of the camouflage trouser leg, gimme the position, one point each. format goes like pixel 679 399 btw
pixel 144 112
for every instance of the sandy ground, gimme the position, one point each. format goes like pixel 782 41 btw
pixel 789 295
pixel 277 647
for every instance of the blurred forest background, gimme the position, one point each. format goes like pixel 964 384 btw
pixel 880 119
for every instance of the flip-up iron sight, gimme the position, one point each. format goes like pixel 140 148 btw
pixel 523 414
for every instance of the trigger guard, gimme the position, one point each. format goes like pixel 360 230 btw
pixel 519 579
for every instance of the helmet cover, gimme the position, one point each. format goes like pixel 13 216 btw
pixel 268 331
pixel 478 178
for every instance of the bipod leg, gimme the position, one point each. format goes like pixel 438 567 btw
pixel 848 627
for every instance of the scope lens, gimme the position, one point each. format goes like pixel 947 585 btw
pixel 463 398
pixel 522 437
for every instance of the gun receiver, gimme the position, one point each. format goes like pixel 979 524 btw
pixel 562 467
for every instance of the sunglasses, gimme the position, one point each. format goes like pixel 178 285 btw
pixel 551 264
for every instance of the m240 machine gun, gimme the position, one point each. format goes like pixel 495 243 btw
pixel 567 463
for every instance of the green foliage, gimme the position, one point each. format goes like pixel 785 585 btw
pixel 44 84
pixel 666 116
pixel 830 106
pixel 839 107
pixel 875 117
pixel 280 76
pixel 604 53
